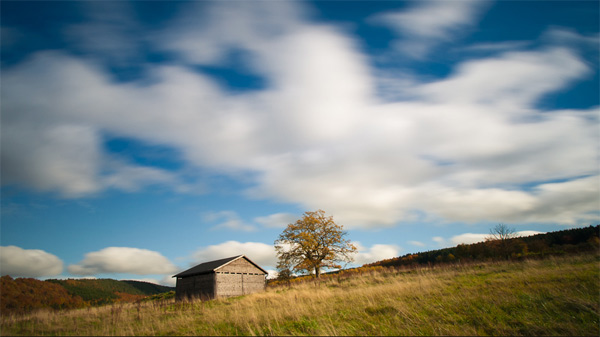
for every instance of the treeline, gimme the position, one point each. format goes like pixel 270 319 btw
pixel 24 295
pixel 553 243
pixel 104 291
pixel 577 240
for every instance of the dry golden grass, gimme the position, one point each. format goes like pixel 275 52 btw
pixel 556 296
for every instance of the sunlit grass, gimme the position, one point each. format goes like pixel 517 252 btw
pixel 555 296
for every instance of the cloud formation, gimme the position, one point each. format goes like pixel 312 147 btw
pixel 108 33
pixel 428 23
pixel 375 253
pixel 228 220
pixel 277 220
pixel 123 260
pixel 417 243
pixel 470 147
pixel 19 262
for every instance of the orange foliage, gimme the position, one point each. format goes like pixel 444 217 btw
pixel 23 295
pixel 125 297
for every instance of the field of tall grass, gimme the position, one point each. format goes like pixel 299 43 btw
pixel 554 296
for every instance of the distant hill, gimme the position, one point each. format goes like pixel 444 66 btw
pixel 102 291
pixel 23 295
pixel 567 241
pixel 148 288
pixel 26 294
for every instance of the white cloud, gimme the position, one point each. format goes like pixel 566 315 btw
pixel 204 34
pixel 428 23
pixel 148 280
pixel 528 233
pixel 570 37
pixel 123 260
pixel 459 148
pixel 262 254
pixel 519 78
pixel 439 240
pixel 272 274
pixel 19 262
pixel 563 201
pixel 229 220
pixel 277 220
pixel 58 157
pixel 132 178
pixel 417 243
pixel 375 253
pixel 168 280
pixel 467 238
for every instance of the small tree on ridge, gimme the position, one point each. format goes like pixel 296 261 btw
pixel 501 232
pixel 501 236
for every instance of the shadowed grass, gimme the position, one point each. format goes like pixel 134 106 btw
pixel 556 296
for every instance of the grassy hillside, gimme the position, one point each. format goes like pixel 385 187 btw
pixel 565 242
pixel 552 296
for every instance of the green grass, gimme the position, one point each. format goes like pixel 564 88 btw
pixel 555 296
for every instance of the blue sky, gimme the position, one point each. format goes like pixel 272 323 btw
pixel 141 138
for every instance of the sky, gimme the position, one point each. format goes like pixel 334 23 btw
pixel 141 138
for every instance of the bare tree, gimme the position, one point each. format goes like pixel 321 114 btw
pixel 501 232
pixel 500 237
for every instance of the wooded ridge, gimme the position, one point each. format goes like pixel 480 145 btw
pixel 22 295
pixel 569 241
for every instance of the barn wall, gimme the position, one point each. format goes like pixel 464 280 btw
pixel 239 277
pixel 239 284
pixel 202 286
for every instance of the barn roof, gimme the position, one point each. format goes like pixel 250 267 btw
pixel 211 266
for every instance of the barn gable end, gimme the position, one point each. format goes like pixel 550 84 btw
pixel 232 276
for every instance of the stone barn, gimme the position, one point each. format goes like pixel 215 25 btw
pixel 232 276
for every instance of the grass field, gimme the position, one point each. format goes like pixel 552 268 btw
pixel 554 296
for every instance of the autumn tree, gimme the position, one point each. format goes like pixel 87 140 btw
pixel 313 242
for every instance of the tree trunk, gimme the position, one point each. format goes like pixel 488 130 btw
pixel 317 272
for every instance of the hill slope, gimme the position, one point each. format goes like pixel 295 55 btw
pixel 102 291
pixel 552 296
pixel 26 294
pixel 569 241
pixel 565 242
